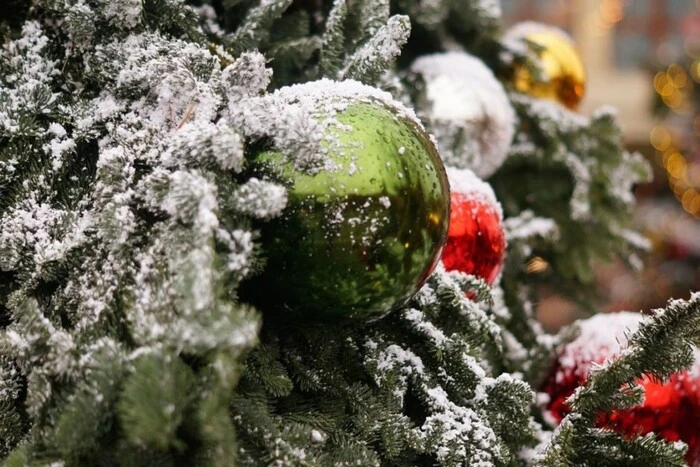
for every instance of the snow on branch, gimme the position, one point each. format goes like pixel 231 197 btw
pixel 379 52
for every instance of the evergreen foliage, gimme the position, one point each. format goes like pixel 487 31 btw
pixel 661 346
pixel 127 224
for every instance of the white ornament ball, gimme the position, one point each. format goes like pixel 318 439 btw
pixel 467 109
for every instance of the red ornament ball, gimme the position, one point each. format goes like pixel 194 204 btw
pixel 476 242
pixel 670 409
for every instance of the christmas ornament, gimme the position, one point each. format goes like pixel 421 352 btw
pixel 563 73
pixel 366 223
pixel 670 409
pixel 467 110
pixel 476 242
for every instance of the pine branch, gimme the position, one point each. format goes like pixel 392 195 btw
pixel 660 347
pixel 247 76
pixel 13 423
pixel 374 14
pixel 88 416
pixel 290 56
pixel 375 56
pixel 255 28
pixel 154 401
pixel 333 40
pixel 588 200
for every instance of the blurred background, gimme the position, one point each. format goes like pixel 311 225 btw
pixel 642 57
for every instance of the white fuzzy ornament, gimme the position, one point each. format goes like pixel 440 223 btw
pixel 467 110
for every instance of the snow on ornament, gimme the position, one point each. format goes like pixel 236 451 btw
pixel 476 242
pixel 368 202
pixel 670 409
pixel 467 110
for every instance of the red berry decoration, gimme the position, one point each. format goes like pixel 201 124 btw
pixel 670 409
pixel 476 242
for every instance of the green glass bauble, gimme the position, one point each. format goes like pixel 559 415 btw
pixel 358 239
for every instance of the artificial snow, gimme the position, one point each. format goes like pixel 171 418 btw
pixel 260 199
pixel 384 46
pixel 466 182
pixel 123 13
pixel 604 337
pixel 526 226
pixel 317 436
pixel 601 337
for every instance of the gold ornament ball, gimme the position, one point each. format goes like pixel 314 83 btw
pixel 561 65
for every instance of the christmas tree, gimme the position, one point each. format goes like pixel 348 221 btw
pixel 222 227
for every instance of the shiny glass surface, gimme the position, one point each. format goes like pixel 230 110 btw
pixel 562 66
pixel 358 240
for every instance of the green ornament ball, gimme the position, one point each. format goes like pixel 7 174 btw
pixel 359 237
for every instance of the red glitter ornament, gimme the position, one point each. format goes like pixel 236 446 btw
pixel 670 409
pixel 476 242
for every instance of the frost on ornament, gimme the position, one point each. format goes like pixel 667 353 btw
pixel 670 409
pixel 367 209
pixel 467 110
pixel 297 119
pixel 476 241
